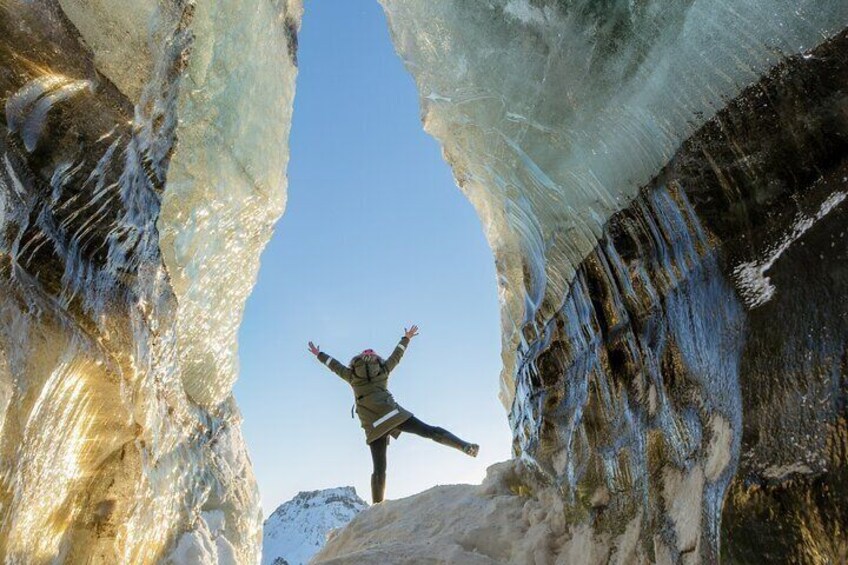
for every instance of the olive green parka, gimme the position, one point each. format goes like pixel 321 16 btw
pixel 368 375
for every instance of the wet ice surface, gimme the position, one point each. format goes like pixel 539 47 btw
pixel 26 110
pixel 137 188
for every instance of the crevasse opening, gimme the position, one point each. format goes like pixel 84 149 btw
pixel 375 238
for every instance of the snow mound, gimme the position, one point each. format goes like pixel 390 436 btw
pixel 511 518
pixel 299 527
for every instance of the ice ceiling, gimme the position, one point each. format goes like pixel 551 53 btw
pixel 618 153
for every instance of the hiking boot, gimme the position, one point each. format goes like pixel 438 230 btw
pixel 378 487
pixel 471 449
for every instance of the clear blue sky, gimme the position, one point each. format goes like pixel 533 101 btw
pixel 375 237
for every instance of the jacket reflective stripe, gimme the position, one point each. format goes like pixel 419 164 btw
pixel 328 361
pixel 402 346
pixel 394 412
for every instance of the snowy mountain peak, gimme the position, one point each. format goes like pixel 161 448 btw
pixel 297 529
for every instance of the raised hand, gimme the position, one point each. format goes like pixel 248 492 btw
pixel 314 349
pixel 411 332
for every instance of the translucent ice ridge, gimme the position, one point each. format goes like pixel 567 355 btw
pixel 143 165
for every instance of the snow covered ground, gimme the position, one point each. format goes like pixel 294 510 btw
pixel 511 518
pixel 298 528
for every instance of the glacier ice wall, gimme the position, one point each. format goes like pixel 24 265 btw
pixel 646 174
pixel 239 84
pixel 553 114
pixel 143 163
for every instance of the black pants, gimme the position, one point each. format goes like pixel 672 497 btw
pixel 417 427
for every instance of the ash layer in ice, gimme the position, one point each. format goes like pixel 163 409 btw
pixel 143 151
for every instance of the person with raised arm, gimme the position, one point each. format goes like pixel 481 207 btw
pixel 379 414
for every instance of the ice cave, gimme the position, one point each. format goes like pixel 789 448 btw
pixel 663 186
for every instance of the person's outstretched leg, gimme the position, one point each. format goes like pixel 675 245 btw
pixel 378 477
pixel 439 435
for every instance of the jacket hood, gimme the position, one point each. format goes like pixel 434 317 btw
pixel 366 366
